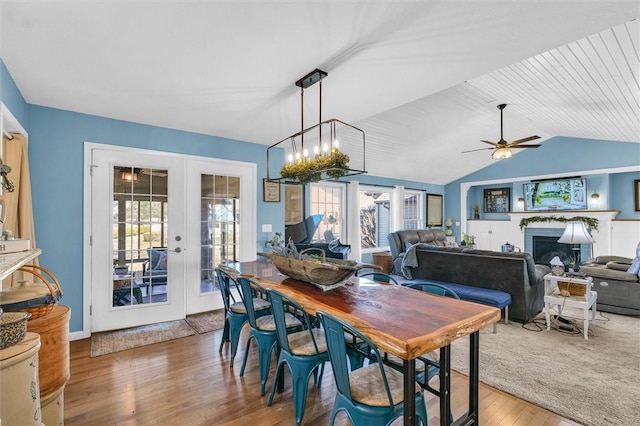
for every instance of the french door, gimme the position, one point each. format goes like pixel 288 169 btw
pixel 160 224
pixel 137 239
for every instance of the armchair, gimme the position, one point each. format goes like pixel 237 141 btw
pixel 154 270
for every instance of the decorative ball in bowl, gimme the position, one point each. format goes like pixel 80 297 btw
pixel 13 328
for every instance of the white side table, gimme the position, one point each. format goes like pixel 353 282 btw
pixel 552 297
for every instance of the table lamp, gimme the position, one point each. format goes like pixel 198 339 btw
pixel 576 233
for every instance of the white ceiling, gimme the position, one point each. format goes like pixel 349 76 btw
pixel 421 78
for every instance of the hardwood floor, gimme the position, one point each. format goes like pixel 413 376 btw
pixel 188 382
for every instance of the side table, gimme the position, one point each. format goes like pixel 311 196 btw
pixel 585 302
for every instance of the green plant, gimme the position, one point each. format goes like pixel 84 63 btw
pixel 311 170
pixel 591 222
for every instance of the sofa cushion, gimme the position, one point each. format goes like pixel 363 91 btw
pixel 601 271
pixel 620 259
pixel 618 266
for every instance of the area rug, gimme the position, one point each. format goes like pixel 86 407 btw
pixel 595 382
pixel 206 321
pixel 114 341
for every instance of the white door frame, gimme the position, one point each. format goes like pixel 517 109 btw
pixel 249 211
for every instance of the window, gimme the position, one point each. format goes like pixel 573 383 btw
pixel 375 206
pixel 411 213
pixel 328 199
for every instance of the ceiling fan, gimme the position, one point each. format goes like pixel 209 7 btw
pixel 502 148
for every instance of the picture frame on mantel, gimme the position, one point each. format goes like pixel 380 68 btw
pixel 636 192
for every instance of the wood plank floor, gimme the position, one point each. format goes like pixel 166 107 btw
pixel 188 382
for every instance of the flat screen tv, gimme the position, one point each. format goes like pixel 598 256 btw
pixel 556 194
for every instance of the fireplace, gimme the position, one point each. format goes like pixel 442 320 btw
pixel 546 248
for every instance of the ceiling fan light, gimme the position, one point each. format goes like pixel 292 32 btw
pixel 501 153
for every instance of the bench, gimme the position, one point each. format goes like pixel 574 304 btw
pixel 484 296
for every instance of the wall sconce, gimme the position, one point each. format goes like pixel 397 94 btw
pixel 595 196
pixel 129 175
pixel 521 202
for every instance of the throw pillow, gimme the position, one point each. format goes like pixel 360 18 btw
pixel 162 261
pixel 635 266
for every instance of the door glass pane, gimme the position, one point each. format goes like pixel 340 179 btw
pixel 219 225
pixel 140 235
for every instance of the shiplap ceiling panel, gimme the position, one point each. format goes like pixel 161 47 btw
pixel 421 78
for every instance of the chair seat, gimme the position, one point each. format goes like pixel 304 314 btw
pixel 367 386
pixel 300 343
pixel 258 305
pixel 267 323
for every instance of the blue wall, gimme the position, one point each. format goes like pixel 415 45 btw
pixel 557 155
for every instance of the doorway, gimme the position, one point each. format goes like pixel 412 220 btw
pixel 160 224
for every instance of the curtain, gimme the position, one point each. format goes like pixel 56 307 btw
pixel 353 209
pixel 396 220
pixel 18 204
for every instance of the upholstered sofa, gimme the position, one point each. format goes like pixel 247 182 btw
pixel 513 273
pixel 618 290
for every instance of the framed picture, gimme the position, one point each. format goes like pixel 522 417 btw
pixel 434 210
pixel 636 192
pixel 497 200
pixel 270 191
pixel 293 204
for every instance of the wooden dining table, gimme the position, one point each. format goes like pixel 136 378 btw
pixel 401 321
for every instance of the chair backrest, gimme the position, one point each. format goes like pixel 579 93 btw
pixel 334 331
pixel 434 288
pixel 247 286
pixel 155 257
pixel 281 304
pixel 380 276
pixel 223 282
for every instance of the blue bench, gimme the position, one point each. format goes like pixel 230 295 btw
pixel 484 296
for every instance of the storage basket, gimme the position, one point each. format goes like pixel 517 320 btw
pixel 574 289
pixel 35 298
pixel 384 260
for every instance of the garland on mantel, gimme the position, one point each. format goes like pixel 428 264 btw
pixel 591 222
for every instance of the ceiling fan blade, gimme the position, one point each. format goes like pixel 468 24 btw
pixel 490 143
pixel 474 150
pixel 519 141
pixel 525 146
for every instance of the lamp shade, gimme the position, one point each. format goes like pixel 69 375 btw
pixel 575 233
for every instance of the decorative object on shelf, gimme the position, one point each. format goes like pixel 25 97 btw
pixel 327 160
pixel 502 148
pixel 557 267
pixel 468 240
pixel 448 222
pixel 13 328
pixel 476 212
pixel 497 200
pixel 323 272
pixel 270 191
pixel 576 233
pixel 591 222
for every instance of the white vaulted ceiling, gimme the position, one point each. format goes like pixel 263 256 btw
pixel 422 78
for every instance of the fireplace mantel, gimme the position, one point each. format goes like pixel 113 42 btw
pixel 509 230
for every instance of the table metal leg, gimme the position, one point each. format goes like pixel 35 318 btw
pixel 409 370
pixel 445 385
pixel 474 375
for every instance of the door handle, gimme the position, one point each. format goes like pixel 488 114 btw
pixel 177 250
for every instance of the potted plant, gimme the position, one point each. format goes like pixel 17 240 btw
pixel 120 268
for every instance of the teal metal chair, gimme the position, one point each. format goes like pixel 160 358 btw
pixel 235 312
pixel 380 277
pixel 304 351
pixel 371 395
pixel 262 329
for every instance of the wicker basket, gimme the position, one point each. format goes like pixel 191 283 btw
pixel 326 273
pixel 384 260
pixel 35 298
pixel 574 289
